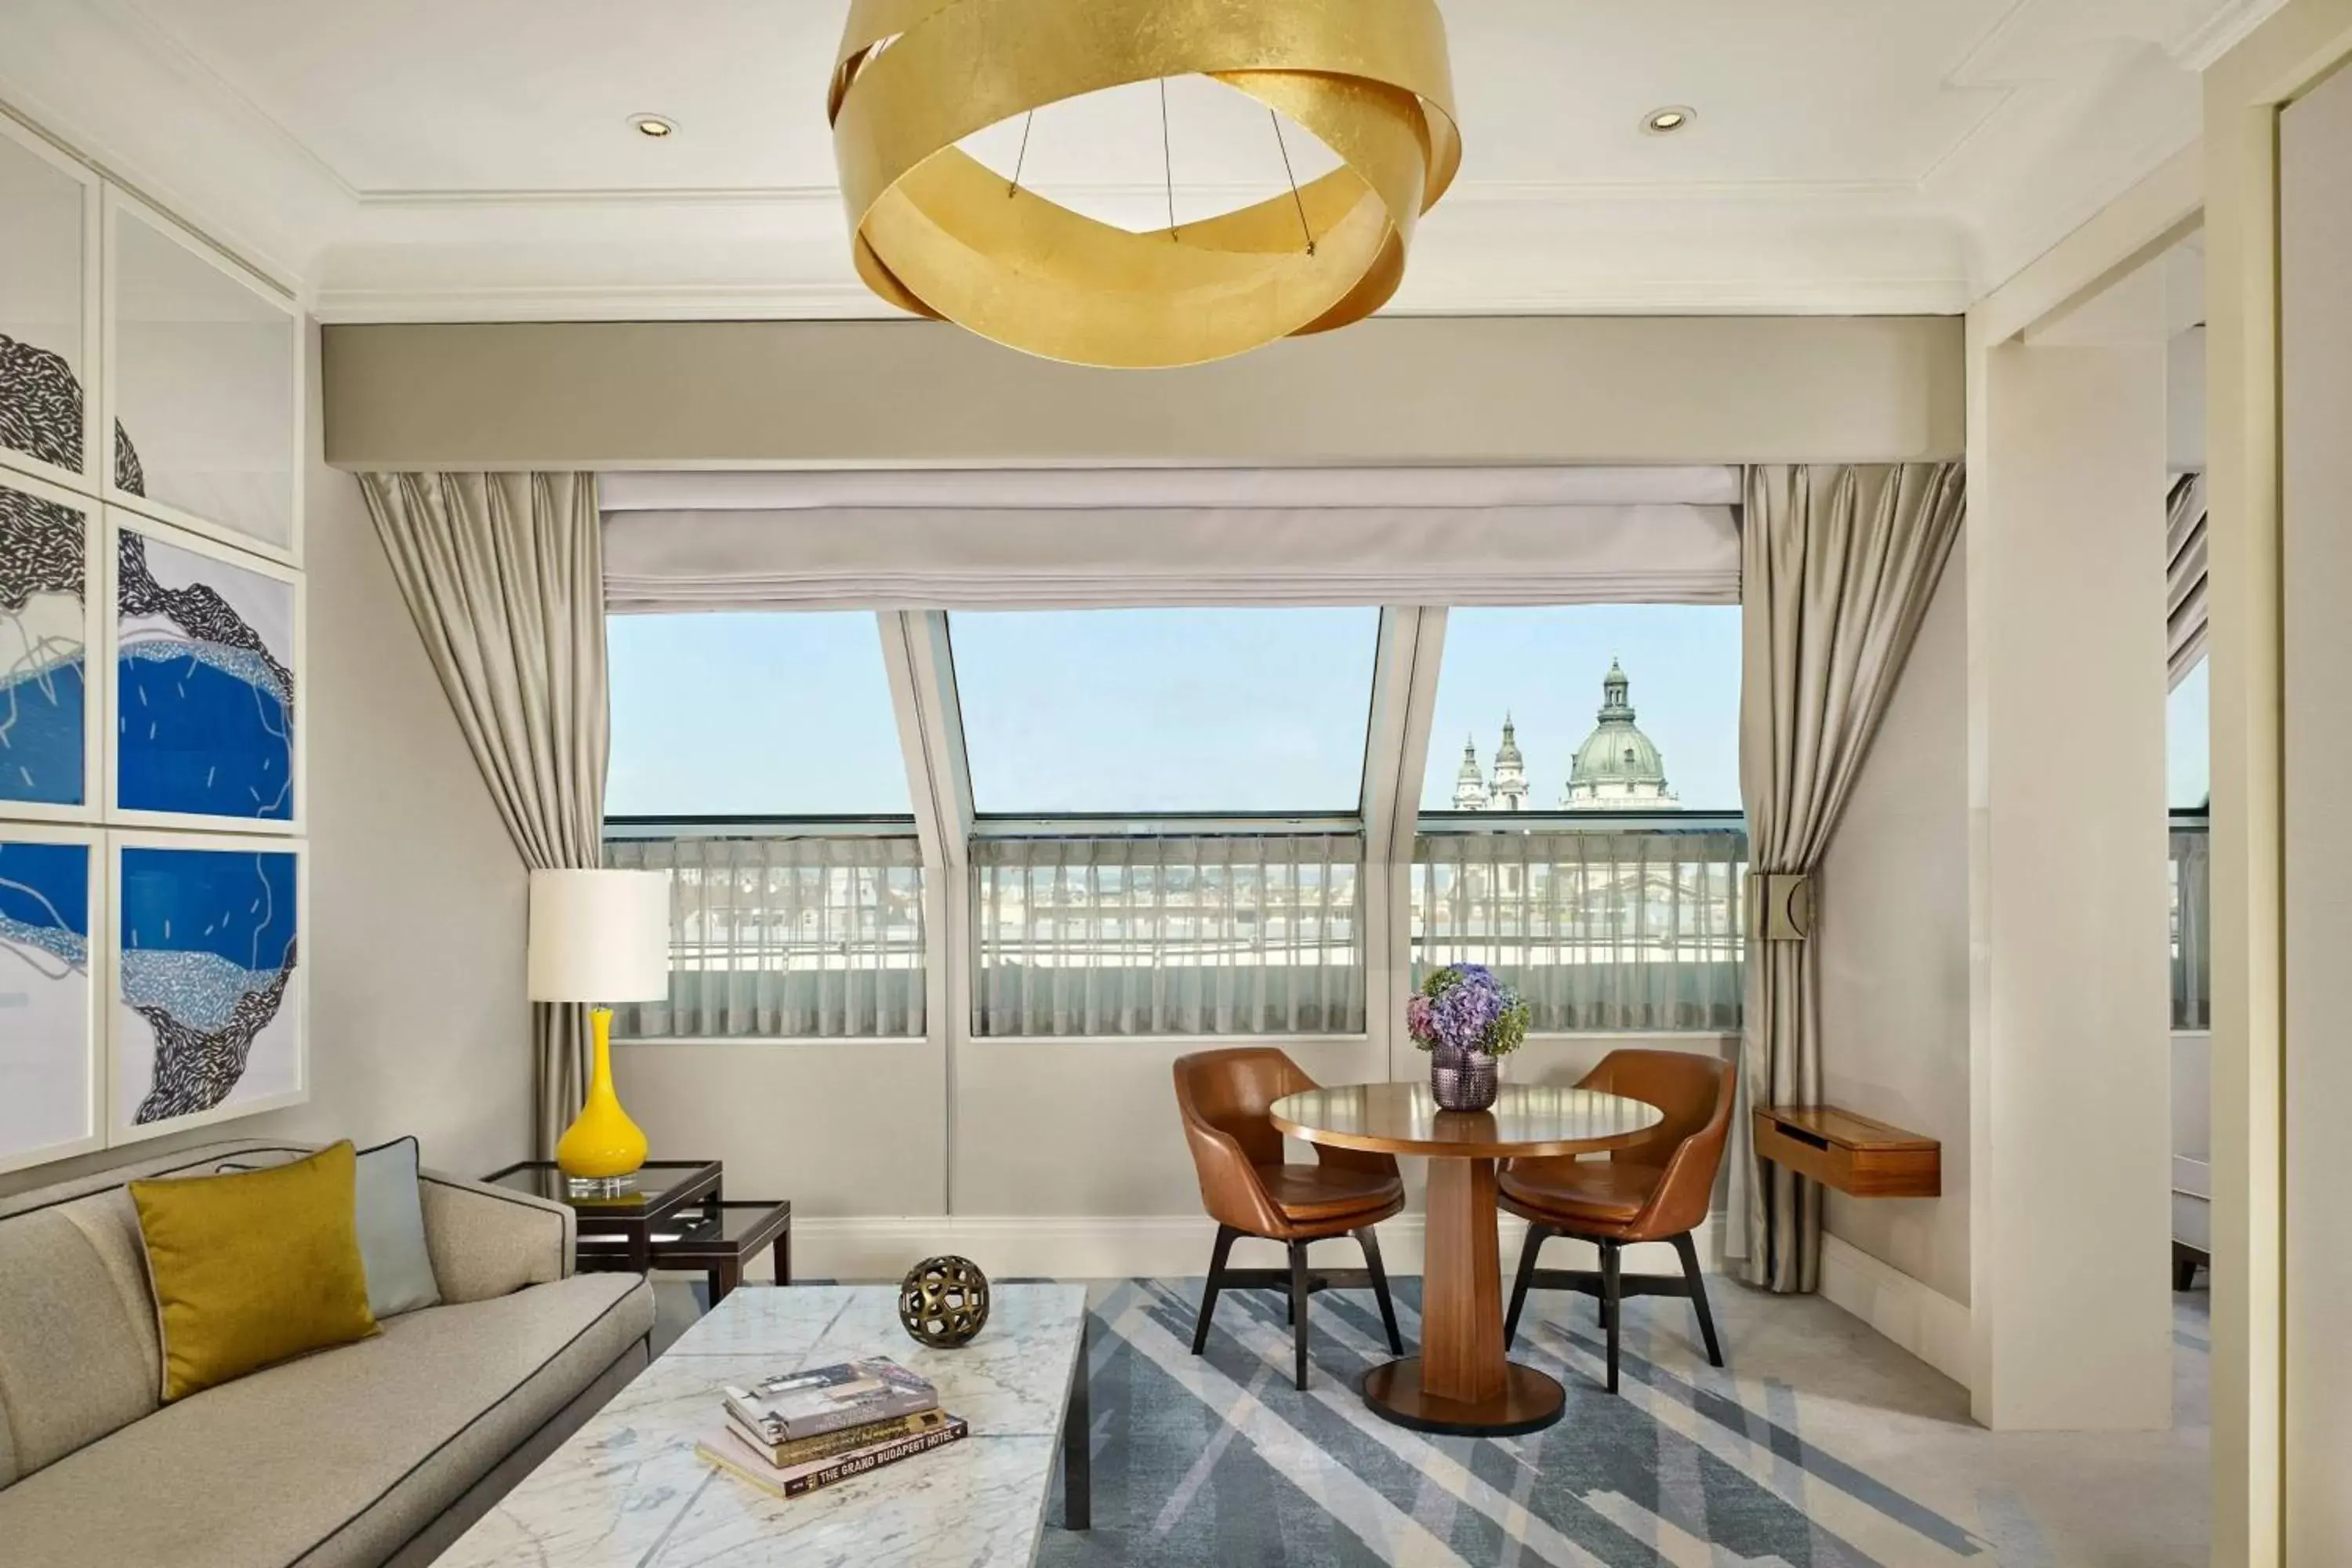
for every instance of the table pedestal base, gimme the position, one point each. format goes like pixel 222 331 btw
pixel 1529 1402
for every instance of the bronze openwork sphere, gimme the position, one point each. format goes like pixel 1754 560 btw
pixel 943 1302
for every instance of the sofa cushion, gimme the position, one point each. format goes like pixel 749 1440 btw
pixel 78 1352
pixel 389 1215
pixel 253 1267
pixel 336 1459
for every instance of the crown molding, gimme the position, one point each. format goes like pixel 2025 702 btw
pixel 1837 250
pixel 2086 96
pixel 1742 295
pixel 2221 32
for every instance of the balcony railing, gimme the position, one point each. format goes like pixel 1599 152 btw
pixel 1604 922
pixel 1601 922
pixel 1189 933
pixel 2192 921
pixel 783 935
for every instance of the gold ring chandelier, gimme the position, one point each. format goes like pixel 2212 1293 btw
pixel 939 233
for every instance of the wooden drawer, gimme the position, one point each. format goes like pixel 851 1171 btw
pixel 1852 1154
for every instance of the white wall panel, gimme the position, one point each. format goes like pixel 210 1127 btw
pixel 2315 391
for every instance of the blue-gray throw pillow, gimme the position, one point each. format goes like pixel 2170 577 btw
pixel 388 1211
pixel 391 1220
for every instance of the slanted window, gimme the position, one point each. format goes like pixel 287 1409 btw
pixel 1587 706
pixel 1175 914
pixel 1147 711
pixel 755 758
pixel 1582 836
pixel 773 715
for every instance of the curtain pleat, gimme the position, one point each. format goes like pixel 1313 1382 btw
pixel 1839 565
pixel 797 937
pixel 504 576
pixel 1197 934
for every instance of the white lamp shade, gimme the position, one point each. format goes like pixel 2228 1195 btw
pixel 599 936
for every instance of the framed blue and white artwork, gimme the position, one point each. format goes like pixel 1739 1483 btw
pixel 208 1016
pixel 49 595
pixel 202 385
pixel 49 337
pixel 51 1069
pixel 206 646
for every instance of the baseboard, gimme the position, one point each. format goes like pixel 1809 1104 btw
pixel 1924 1321
pixel 1928 1324
pixel 1118 1246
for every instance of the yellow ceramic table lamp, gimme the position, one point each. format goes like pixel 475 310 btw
pixel 600 937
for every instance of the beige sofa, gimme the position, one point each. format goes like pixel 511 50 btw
pixel 381 1452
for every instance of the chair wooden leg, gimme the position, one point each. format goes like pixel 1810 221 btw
pixel 1225 1234
pixel 1536 1236
pixel 1298 1308
pixel 1612 1307
pixel 1687 1250
pixel 1369 1241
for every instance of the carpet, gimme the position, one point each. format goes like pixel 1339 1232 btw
pixel 1821 1446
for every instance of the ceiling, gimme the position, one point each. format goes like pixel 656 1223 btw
pixel 467 159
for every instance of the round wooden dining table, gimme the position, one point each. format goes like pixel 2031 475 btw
pixel 1462 1382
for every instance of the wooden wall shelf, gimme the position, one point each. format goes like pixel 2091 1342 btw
pixel 1852 1154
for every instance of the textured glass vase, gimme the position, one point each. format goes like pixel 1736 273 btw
pixel 1463 1081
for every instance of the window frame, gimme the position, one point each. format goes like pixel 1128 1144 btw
pixel 919 660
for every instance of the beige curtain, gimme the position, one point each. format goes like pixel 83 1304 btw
pixel 505 576
pixel 1837 565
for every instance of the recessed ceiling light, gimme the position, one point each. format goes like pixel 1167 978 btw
pixel 653 125
pixel 1667 121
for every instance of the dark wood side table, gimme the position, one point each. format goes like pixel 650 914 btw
pixel 722 1242
pixel 678 1217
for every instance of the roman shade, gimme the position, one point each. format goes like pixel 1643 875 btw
pixel 1020 539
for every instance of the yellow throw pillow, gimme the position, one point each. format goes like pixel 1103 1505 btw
pixel 253 1267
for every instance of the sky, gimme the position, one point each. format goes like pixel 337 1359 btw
pixel 1142 710
pixel 2188 756
pixel 752 715
pixel 1544 667
pixel 1189 710
pixel 1196 709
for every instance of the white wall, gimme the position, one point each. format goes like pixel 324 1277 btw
pixel 1893 946
pixel 2070 1126
pixel 2315 388
pixel 417 1018
pixel 1062 1156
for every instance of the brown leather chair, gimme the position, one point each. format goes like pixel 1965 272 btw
pixel 1657 1190
pixel 1223 1097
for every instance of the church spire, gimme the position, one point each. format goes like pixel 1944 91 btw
pixel 1469 784
pixel 1507 755
pixel 1509 791
pixel 1613 701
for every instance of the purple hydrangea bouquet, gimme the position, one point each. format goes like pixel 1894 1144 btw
pixel 1466 1019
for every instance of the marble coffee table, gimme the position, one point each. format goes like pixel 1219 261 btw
pixel 628 1491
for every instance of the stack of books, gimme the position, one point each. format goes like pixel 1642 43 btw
pixel 794 1432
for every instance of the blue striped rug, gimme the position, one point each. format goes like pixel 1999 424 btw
pixel 1218 1460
